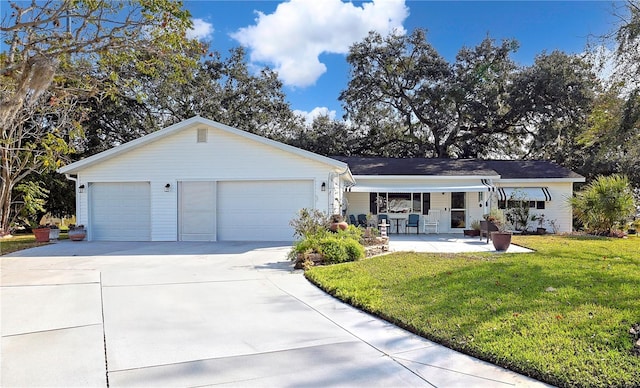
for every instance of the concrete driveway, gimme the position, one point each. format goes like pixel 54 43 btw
pixel 198 314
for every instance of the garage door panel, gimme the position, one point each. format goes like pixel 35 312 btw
pixel 120 211
pixel 260 210
pixel 197 211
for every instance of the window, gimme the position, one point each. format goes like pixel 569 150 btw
pixel 426 203
pixel 399 202
pixel 416 207
pixel 202 135
pixel 373 205
pixel 540 204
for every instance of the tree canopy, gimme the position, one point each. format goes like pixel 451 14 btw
pixel 64 53
pixel 409 101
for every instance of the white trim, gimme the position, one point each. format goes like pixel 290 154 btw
pixel 424 177
pixel 540 180
pixel 417 189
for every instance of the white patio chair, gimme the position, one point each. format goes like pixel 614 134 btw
pixel 432 220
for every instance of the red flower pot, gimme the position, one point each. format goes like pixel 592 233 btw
pixel 42 234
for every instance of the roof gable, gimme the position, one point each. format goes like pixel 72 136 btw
pixel 190 123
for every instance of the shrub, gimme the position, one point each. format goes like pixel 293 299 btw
pixel 334 250
pixel 334 247
pixel 605 202
pixel 309 222
pixel 355 250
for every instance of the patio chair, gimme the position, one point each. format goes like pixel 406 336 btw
pixel 352 220
pixel 432 220
pixel 412 222
pixel 362 220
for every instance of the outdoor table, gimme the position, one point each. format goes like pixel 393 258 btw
pixel 397 219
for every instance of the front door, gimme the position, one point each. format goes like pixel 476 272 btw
pixel 458 211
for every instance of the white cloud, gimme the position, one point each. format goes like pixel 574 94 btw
pixel 315 112
pixel 293 37
pixel 201 30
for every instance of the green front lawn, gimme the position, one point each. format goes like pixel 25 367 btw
pixel 561 314
pixel 20 242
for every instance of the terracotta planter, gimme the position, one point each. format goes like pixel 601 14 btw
pixel 42 234
pixel 541 230
pixel 77 234
pixel 338 225
pixel 501 240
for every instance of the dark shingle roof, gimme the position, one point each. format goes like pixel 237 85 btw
pixel 507 169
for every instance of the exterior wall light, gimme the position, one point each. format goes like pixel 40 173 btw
pixel 323 186
pixel 167 187
pixel 81 188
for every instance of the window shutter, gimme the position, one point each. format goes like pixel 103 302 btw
pixel 373 206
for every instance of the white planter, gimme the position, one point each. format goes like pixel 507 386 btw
pixel 54 234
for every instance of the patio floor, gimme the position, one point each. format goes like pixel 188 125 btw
pixel 444 243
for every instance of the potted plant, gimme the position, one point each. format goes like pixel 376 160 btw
pixel 502 237
pixel 54 232
pixel 540 219
pixel 77 232
pixel 337 222
pixel 41 232
pixel 475 229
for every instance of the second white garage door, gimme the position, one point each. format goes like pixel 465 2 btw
pixel 260 210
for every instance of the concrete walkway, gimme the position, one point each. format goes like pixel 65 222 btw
pixel 444 243
pixel 195 314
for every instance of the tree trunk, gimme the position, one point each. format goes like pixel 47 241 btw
pixel 5 208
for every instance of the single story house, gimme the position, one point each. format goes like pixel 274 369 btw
pixel 200 180
pixel 461 190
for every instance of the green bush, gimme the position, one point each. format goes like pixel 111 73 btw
pixel 334 250
pixel 355 250
pixel 605 202
pixel 352 232
pixel 337 247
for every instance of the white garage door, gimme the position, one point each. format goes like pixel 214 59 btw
pixel 120 211
pixel 197 211
pixel 260 210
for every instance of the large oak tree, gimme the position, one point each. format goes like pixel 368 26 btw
pixel 407 100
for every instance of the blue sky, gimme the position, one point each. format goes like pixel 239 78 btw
pixel 307 40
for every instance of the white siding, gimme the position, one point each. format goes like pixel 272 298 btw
pixel 358 203
pixel 557 210
pixel 442 202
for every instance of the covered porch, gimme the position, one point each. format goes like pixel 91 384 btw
pixel 438 205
